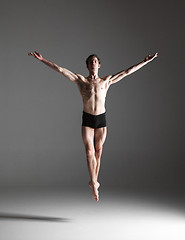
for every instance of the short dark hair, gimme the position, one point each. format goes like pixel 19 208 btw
pixel 91 56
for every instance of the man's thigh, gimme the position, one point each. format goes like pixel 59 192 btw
pixel 88 136
pixel 99 137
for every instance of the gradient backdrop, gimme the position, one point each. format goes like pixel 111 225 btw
pixel 40 120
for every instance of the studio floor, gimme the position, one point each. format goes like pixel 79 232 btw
pixel 56 213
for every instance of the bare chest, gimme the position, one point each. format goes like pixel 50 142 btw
pixel 95 88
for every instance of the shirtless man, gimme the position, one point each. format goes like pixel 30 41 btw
pixel 93 90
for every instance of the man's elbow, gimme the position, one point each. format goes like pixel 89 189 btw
pixel 60 69
pixel 127 72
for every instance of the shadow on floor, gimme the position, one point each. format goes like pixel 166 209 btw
pixel 10 216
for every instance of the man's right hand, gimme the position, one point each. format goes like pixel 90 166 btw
pixel 36 55
pixel 68 74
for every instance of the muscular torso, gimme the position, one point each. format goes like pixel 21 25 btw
pixel 93 92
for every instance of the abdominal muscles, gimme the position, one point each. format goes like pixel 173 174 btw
pixel 94 100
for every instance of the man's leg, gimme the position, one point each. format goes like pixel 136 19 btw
pixel 99 139
pixel 88 139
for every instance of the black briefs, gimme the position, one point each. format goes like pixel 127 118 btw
pixel 94 121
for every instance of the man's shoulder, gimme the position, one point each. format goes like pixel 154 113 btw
pixel 107 78
pixel 81 78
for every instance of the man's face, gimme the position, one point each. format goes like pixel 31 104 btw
pixel 93 64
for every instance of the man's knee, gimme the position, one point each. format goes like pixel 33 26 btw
pixel 90 152
pixel 98 149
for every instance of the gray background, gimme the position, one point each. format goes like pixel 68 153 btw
pixel 40 116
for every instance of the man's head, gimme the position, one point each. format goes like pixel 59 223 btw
pixel 92 62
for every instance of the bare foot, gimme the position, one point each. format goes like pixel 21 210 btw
pixel 95 192
pixel 91 185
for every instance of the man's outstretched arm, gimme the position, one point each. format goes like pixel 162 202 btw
pixel 68 74
pixel 117 77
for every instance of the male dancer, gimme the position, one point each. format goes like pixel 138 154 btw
pixel 93 90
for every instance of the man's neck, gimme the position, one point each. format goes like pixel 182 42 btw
pixel 93 75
